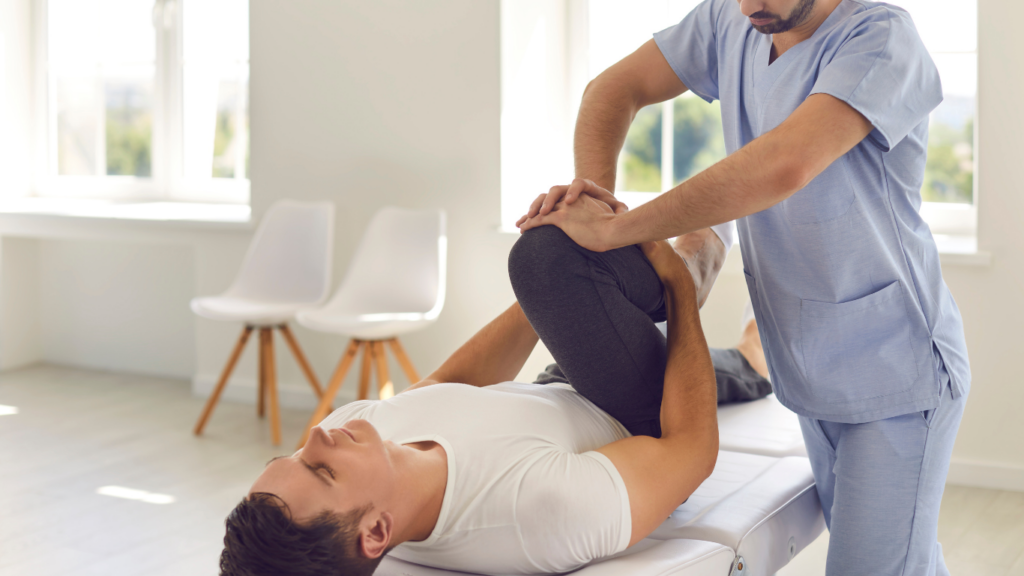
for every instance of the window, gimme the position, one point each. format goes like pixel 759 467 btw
pixel 669 142
pixel 145 99
pixel 949 29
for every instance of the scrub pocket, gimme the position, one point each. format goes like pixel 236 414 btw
pixel 859 349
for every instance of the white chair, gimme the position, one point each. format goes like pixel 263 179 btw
pixel 287 269
pixel 394 285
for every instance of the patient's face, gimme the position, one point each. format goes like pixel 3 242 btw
pixel 336 470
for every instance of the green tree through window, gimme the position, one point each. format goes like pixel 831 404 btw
pixel 697 136
pixel 697 143
pixel 642 152
pixel 949 172
pixel 129 129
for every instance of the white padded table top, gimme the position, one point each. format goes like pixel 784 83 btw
pixel 760 427
pixel 765 509
pixel 762 509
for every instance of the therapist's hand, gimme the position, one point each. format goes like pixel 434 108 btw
pixel 587 221
pixel 568 194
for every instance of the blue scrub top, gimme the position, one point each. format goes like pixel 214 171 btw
pixel 844 275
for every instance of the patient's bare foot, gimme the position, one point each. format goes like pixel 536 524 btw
pixel 750 347
pixel 704 253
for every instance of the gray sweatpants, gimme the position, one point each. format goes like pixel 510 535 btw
pixel 596 313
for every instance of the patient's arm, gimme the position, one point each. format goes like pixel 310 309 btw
pixel 660 473
pixel 494 354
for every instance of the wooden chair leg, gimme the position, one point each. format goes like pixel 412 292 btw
pixel 369 351
pixel 271 378
pixel 215 395
pixel 403 361
pixel 301 359
pixel 385 389
pixel 261 377
pixel 333 386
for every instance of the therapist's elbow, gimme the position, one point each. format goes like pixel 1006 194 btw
pixel 615 88
pixel 789 175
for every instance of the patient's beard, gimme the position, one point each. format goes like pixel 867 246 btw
pixel 798 16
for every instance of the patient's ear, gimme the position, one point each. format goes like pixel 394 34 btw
pixel 375 538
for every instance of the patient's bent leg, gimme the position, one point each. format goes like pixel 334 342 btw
pixel 736 379
pixel 735 376
pixel 595 312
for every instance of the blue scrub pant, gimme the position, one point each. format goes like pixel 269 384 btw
pixel 880 485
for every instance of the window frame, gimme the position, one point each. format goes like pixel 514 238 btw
pixel 167 181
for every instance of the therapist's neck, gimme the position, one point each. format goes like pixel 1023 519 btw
pixel 784 41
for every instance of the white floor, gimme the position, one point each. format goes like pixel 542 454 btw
pixel 77 431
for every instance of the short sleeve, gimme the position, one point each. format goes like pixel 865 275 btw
pixel 691 49
pixel 572 509
pixel 883 71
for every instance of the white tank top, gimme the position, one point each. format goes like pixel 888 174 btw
pixel 526 493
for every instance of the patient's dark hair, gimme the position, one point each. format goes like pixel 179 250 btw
pixel 262 540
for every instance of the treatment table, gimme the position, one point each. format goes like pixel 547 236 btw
pixel 756 511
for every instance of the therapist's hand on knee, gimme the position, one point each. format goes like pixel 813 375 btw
pixel 568 194
pixel 584 221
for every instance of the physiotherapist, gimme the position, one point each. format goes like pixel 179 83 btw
pixel 825 109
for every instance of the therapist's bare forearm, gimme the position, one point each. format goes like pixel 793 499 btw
pixel 601 126
pixel 494 354
pixel 763 173
pixel 688 406
pixel 755 177
pixel 611 101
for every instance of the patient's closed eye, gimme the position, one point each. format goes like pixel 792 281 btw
pixel 327 468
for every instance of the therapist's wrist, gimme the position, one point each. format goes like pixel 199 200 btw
pixel 613 233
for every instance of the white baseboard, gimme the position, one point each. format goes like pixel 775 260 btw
pixel 243 391
pixel 986 475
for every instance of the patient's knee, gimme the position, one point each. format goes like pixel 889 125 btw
pixel 541 256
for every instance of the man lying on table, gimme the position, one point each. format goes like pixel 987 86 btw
pixel 468 471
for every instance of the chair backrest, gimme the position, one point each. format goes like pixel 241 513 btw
pixel 289 258
pixel 399 266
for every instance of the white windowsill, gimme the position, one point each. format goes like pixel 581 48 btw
pixel 176 214
pixel 961 250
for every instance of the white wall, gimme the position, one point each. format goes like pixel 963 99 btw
pixel 116 305
pixel 20 335
pixel 15 97
pixel 990 446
